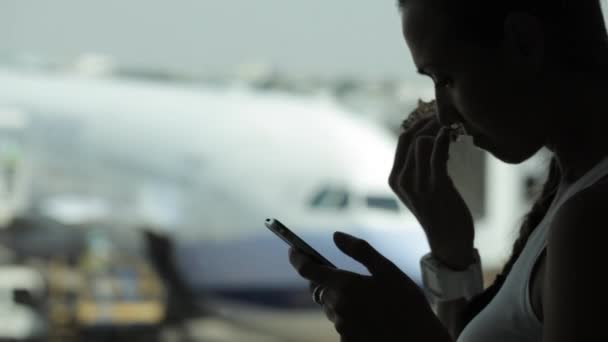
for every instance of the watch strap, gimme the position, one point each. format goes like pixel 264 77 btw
pixel 445 284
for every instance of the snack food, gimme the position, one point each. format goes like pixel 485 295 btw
pixel 428 109
pixel 424 110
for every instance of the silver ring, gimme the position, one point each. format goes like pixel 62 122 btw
pixel 321 293
pixel 317 294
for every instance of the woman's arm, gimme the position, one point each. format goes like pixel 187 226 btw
pixel 453 314
pixel 573 298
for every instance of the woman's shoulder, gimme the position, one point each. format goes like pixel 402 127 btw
pixel 583 213
pixel 576 254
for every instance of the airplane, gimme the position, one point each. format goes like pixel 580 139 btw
pixel 207 165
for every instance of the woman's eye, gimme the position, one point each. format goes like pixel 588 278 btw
pixel 442 82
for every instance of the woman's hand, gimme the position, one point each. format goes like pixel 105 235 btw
pixel 386 306
pixel 421 180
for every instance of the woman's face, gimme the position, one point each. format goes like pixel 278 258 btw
pixel 495 98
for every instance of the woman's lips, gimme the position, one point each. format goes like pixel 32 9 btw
pixel 460 131
pixel 457 134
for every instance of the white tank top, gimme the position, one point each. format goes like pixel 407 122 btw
pixel 509 316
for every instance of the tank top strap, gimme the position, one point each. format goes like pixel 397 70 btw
pixel 596 173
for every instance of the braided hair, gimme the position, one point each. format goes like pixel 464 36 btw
pixel 530 222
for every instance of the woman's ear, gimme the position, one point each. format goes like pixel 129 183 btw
pixel 524 40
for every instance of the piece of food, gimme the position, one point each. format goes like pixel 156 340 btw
pixel 424 110
pixel 428 109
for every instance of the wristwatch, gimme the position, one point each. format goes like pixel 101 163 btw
pixel 445 284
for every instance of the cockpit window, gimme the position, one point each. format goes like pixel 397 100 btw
pixel 382 203
pixel 331 198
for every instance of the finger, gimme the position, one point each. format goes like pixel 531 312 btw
pixel 329 313
pixel 312 286
pixel 353 330
pixel 317 273
pixel 364 253
pixel 306 267
pixel 402 176
pixel 440 155
pixel 424 126
pixel 424 149
pixel 346 304
pixel 339 304
pixel 403 146
pixel 333 300
pixel 347 329
pixel 406 170
pixel 343 328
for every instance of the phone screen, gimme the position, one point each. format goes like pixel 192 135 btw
pixel 294 241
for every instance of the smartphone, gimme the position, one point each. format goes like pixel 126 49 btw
pixel 294 241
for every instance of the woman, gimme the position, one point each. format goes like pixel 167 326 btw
pixel 519 75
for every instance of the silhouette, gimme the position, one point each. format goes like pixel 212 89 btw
pixel 518 76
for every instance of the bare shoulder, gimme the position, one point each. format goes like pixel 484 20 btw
pixel 576 254
pixel 579 230
pixel 583 213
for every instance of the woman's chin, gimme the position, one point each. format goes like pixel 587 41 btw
pixel 510 155
pixel 477 142
pixel 481 143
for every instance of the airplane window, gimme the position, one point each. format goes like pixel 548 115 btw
pixel 382 203
pixel 329 198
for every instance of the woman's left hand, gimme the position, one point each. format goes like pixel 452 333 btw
pixel 386 306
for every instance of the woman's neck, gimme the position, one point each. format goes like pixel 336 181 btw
pixel 580 138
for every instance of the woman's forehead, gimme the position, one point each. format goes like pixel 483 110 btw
pixel 428 30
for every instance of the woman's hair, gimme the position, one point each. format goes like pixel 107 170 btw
pixel 576 28
pixel 530 221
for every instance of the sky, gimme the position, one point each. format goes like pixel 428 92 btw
pixel 360 38
pixel 314 37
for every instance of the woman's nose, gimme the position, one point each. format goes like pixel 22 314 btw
pixel 447 115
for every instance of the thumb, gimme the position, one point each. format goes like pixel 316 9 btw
pixel 368 256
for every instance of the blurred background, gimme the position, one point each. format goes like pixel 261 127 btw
pixel 143 143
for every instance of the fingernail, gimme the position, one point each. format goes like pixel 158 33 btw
pixel 341 237
pixel 450 133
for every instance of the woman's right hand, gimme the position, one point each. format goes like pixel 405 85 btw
pixel 386 305
pixel 420 179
